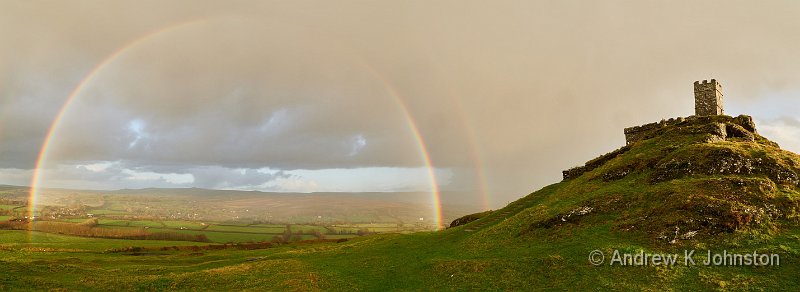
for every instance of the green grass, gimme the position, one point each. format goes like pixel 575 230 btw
pixel 370 227
pixel 141 223
pixel 308 228
pixel 229 237
pixel 25 241
pixel 107 212
pixel 538 242
pixel 215 233
pixel 438 261
pixel 272 229
pixel 8 207
pixel 182 223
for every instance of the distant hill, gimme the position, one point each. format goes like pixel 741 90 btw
pixel 225 205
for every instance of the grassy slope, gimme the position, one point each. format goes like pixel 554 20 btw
pixel 636 200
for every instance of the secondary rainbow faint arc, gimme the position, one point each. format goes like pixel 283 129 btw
pixel 44 150
pixel 477 160
pixel 474 151
pixel 422 147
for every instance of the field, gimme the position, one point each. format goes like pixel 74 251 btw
pixel 495 256
pixel 371 228
pixel 46 242
pixel 445 260
pixel 235 207
pixel 8 207
pixel 218 232
pixel 454 259
pixel 209 215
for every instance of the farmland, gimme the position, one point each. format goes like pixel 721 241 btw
pixel 212 232
pixel 214 216
pixel 111 226
pixel 140 235
pixel 175 208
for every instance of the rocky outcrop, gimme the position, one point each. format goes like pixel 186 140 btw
pixel 723 161
pixel 701 131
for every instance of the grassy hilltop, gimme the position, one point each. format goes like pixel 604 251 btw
pixel 709 183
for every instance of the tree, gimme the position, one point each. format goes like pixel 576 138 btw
pixel 91 222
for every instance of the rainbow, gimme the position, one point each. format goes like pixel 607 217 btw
pixel 421 146
pixel 477 161
pixel 42 158
pixel 474 152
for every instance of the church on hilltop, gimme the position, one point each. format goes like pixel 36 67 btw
pixel 709 120
pixel 707 102
pixel 708 98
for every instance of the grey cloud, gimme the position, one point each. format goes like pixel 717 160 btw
pixel 221 178
pixel 121 174
pixel 791 121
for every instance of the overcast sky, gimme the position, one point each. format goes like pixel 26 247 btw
pixel 321 95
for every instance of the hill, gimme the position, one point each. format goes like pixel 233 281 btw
pixel 697 178
pixel 687 187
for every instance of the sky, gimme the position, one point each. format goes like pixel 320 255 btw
pixel 491 97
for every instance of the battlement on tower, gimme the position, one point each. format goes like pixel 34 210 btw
pixel 708 98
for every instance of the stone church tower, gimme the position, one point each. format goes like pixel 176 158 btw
pixel 708 98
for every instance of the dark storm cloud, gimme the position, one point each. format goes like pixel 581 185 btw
pixel 526 87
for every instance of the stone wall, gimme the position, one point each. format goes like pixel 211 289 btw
pixel 637 133
pixel 708 98
pixel 594 163
pixel 711 128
